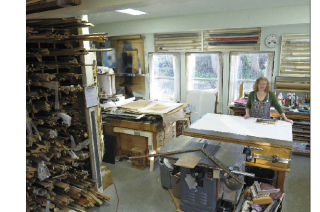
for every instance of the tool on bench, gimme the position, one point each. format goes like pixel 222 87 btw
pixel 261 197
pixel 273 158
pixel 266 121
pixel 248 153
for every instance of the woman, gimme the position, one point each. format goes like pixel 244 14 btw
pixel 261 99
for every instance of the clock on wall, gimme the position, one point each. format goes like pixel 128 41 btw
pixel 271 41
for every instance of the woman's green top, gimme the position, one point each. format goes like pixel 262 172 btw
pixel 272 98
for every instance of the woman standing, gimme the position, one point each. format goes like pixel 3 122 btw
pixel 261 99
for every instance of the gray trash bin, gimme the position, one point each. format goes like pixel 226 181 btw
pixel 165 174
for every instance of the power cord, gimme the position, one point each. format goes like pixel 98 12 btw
pixel 115 188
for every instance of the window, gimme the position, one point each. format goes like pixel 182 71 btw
pixel 246 67
pixel 203 71
pixel 164 76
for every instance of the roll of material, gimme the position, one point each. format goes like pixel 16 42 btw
pixel 106 81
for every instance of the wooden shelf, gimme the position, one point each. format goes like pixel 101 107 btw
pixel 293 90
pixel 301 153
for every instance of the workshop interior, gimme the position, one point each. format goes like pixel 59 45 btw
pixel 168 106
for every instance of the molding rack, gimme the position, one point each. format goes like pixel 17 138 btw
pixel 60 154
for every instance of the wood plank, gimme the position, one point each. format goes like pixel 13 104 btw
pixel 293 86
pixel 175 200
pixel 188 161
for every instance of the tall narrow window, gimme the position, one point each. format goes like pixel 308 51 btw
pixel 246 67
pixel 164 71
pixel 203 71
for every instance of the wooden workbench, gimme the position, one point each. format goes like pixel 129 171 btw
pixel 300 128
pixel 148 136
pixel 134 125
pixel 268 141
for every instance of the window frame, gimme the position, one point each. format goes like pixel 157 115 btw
pixel 176 78
pixel 271 63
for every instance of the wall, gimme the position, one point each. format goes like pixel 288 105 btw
pixel 276 21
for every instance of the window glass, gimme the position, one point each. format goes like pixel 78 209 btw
pixel 164 77
pixel 246 68
pixel 203 71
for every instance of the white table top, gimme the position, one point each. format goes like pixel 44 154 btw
pixel 281 130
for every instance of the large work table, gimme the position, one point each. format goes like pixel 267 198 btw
pixel 274 139
pixel 300 128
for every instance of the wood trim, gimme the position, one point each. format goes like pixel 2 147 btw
pixel 145 126
pixel 239 139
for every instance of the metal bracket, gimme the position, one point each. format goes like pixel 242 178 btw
pixel 273 158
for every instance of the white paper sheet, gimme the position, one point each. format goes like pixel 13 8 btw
pixel 91 94
pixel 281 130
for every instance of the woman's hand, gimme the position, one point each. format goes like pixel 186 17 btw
pixel 284 117
pixel 247 113
pixel 288 120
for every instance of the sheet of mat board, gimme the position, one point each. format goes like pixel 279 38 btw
pixel 154 107
pixel 281 130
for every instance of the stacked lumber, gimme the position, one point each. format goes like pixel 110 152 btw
pixel 57 154
pixel 35 6
pixel 301 84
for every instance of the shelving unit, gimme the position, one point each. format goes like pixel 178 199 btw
pixel 300 131
pixel 301 134
pixel 294 76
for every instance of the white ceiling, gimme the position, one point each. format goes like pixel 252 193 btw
pixel 164 8
pixel 102 11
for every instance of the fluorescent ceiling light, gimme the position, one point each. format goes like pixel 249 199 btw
pixel 131 12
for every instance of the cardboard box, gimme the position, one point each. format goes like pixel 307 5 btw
pixel 138 163
pixel 127 142
pixel 106 177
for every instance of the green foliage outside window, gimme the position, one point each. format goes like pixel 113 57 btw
pixel 165 66
pixel 204 67
pixel 252 66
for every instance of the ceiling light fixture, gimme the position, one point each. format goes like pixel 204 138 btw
pixel 131 12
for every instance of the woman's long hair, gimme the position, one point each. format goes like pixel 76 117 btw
pixel 255 86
